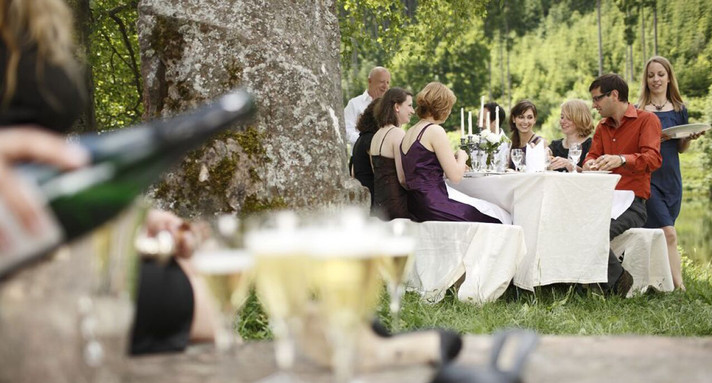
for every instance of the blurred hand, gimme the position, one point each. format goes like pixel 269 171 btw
pixel 607 162
pixel 590 165
pixel 694 136
pixel 461 154
pixel 31 144
pixel 559 163
pixel 184 235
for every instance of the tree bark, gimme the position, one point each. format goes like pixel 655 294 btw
pixel 83 25
pixel 506 40
pixel 655 28
pixel 600 40
pixel 642 33
pixel 294 154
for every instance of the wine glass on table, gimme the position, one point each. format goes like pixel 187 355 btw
pixel 574 155
pixel 226 273
pixel 348 283
pixel 517 157
pixel 282 276
pixel 396 263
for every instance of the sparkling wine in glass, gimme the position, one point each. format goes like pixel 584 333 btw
pixel 226 274
pixel 574 155
pixel 347 282
pixel 517 157
pixel 396 263
pixel 282 276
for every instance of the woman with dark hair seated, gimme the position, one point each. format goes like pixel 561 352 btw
pixel 394 110
pixel 360 160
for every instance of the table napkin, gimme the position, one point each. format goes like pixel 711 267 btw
pixel 535 158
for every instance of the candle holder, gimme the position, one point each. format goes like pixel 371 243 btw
pixel 470 144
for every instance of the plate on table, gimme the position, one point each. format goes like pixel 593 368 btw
pixel 682 131
pixel 482 174
pixel 597 171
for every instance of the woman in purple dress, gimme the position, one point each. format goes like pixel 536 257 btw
pixel 659 94
pixel 426 155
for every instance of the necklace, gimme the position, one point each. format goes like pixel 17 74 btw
pixel 658 107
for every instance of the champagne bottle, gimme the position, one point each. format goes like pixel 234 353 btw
pixel 123 164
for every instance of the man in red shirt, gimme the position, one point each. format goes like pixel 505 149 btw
pixel 626 142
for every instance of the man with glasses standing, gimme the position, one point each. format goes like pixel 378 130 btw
pixel 626 142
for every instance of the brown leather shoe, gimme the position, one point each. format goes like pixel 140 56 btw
pixel 623 284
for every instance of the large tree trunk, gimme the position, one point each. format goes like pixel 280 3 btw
pixel 293 155
pixel 642 34
pixel 655 28
pixel 83 25
pixel 507 41
pixel 600 40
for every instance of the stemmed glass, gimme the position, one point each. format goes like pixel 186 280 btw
pixel 396 263
pixel 281 276
pixel 347 281
pixel 517 157
pixel 226 274
pixel 482 160
pixel 574 155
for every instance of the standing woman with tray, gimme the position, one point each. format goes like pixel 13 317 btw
pixel 393 110
pixel 427 155
pixel 522 120
pixel 659 94
pixel 576 125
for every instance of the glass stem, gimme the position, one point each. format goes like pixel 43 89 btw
pixel 396 292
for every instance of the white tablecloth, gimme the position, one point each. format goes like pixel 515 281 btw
pixel 487 254
pixel 645 256
pixel 565 218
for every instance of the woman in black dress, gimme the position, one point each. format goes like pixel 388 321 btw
pixel 360 160
pixel 394 110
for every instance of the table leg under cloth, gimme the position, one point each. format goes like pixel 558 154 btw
pixel 645 258
pixel 487 254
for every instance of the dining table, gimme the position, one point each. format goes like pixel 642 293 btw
pixel 565 218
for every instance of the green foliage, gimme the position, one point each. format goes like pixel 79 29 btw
pixel 374 32
pixel 114 58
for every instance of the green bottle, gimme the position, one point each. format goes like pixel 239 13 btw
pixel 123 164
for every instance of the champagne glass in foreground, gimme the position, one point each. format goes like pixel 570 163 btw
pixel 226 274
pixel 517 156
pixel 348 284
pixel 397 263
pixel 574 155
pixel 281 277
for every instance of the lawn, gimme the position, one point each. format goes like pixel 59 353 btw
pixel 558 310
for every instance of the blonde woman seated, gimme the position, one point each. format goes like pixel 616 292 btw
pixel 427 155
pixel 393 110
pixel 576 125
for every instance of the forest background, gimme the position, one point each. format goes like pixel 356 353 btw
pixel 506 50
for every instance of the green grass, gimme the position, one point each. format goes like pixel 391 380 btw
pixel 554 310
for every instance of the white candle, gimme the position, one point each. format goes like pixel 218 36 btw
pixel 496 120
pixel 462 122
pixel 482 111
pixel 469 123
pixel 488 120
